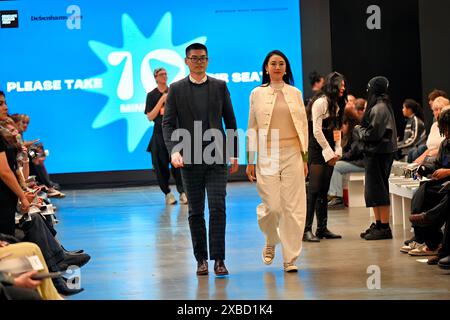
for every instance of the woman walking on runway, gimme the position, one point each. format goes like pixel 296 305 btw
pixel 278 131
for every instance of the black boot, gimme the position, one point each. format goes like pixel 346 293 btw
pixel 79 260
pixel 322 221
pixel 327 234
pixel 62 288
pixel 72 251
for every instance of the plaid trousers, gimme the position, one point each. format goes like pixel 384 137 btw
pixel 213 179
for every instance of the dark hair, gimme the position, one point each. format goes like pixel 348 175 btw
pixel 437 93
pixel 196 46
pixel 360 104
pixel 330 90
pixel 377 90
pixel 287 78
pixel 352 119
pixel 314 77
pixel 2 93
pixel 415 107
pixel 444 122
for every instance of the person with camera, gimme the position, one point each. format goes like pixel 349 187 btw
pixel 10 190
pixel 36 229
pixel 430 203
pixel 34 159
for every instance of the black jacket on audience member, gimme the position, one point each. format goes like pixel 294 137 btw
pixel 379 132
pixel 353 151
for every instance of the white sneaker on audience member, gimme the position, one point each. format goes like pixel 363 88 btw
pixel 170 198
pixel 411 246
pixel 53 193
pixel 183 198
pixel 423 250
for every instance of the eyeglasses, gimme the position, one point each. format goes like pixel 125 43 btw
pixel 196 59
pixel 161 74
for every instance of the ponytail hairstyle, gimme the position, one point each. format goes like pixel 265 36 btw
pixel 415 107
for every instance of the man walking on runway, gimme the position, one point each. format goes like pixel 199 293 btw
pixel 198 104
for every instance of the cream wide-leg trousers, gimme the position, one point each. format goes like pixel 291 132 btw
pixel 282 213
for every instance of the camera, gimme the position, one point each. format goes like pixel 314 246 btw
pixel 36 151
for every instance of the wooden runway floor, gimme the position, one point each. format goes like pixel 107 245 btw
pixel 141 249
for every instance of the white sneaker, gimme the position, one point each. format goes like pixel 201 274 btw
pixel 170 198
pixel 411 246
pixel 53 193
pixel 423 250
pixel 290 267
pixel 268 254
pixel 183 198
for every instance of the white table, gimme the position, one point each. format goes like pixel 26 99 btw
pixel 401 191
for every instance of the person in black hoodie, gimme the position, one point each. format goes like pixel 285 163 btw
pixel 379 135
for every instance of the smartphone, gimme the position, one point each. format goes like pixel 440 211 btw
pixel 43 275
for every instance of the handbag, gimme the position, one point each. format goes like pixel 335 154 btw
pixel 427 167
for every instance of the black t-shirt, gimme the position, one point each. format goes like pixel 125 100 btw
pixel 6 195
pixel 150 103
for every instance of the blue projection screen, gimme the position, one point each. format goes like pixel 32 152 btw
pixel 81 69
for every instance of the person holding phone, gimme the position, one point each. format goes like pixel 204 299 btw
pixel 10 190
pixel 40 281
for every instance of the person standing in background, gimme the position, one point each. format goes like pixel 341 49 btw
pixel 316 81
pixel 378 133
pixel 325 112
pixel 154 109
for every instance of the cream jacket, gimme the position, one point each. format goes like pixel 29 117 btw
pixel 262 102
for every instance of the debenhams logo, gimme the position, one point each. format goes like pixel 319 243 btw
pixel 9 19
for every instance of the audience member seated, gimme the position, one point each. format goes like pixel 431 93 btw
pixel 34 227
pixel 444 252
pixel 429 205
pixel 360 107
pixel 21 287
pixel 414 134
pixel 45 287
pixel 434 138
pixel 37 156
pixel 352 159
